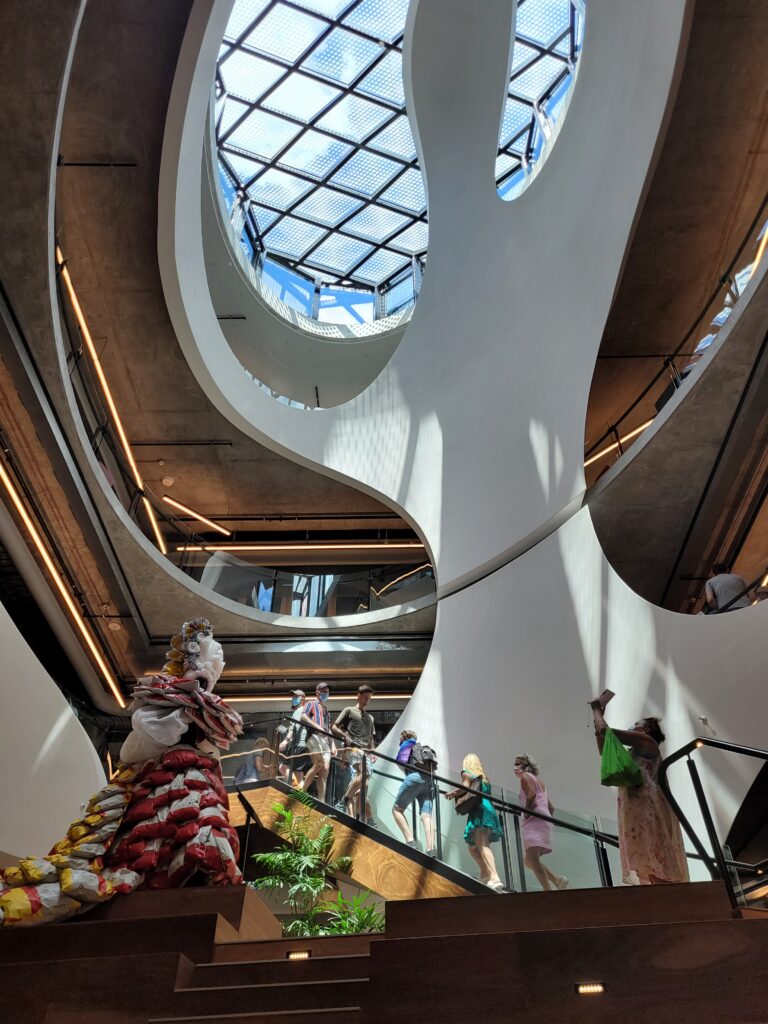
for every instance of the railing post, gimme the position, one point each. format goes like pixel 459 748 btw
pixel 520 856
pixel 603 866
pixel 617 436
pixel 437 822
pixel 363 791
pixel 508 880
pixel 709 824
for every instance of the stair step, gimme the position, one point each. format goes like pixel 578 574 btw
pixel 327 968
pixel 326 1015
pixel 290 995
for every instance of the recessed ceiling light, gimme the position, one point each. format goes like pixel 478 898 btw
pixel 114 625
pixel 168 481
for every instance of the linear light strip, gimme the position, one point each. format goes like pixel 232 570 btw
pixel 195 515
pixel 74 611
pixel 622 440
pixel 760 252
pixel 107 391
pixel 408 545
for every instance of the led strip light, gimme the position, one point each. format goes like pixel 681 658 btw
pixel 86 334
pixel 55 575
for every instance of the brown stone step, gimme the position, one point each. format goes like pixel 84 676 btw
pixel 570 908
pixel 297 995
pixel 329 1015
pixel 328 968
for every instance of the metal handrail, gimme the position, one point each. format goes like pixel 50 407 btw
pixel 668 360
pixel 497 802
pixel 717 863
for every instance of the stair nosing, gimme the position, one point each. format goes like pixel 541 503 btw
pixel 270 984
pixel 284 960
pixel 251 1013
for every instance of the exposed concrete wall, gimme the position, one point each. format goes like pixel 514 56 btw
pixel 48 765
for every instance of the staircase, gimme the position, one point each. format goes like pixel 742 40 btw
pixel 664 954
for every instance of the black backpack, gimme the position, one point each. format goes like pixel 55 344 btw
pixel 424 757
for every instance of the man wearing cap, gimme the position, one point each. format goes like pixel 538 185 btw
pixel 321 747
pixel 294 744
pixel 355 726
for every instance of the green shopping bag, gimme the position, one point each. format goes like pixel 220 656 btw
pixel 617 767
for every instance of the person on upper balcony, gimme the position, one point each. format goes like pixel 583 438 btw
pixel 722 587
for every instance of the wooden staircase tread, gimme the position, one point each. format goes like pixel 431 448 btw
pixel 292 983
pixel 277 1015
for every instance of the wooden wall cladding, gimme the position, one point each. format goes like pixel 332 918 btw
pixel 392 875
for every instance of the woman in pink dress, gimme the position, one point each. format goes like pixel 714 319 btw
pixel 537 832
pixel 650 837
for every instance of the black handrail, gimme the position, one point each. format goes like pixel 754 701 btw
pixel 668 360
pixel 717 863
pixel 497 802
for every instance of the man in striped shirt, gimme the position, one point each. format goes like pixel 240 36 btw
pixel 321 747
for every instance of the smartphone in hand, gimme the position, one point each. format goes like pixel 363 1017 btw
pixel 605 698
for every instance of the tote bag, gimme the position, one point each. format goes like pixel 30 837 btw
pixel 617 767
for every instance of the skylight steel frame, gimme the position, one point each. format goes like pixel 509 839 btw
pixel 522 149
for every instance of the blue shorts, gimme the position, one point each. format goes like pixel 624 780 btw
pixel 415 787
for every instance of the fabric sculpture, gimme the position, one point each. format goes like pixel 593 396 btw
pixel 162 821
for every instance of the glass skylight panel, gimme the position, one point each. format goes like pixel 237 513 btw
pixel 385 80
pixel 396 139
pixel 543 20
pixel 366 173
pixel 375 223
pixel 328 8
pixel 263 134
pixel 263 217
pixel 354 118
pixel 538 78
pixel 319 176
pixel 243 13
pixel 522 55
pixel 328 207
pixel 413 240
pixel 407 191
pixel 278 189
pixel 292 238
pixel 516 116
pixel 316 154
pixel 285 33
pixel 339 253
pixel 341 56
pixel 233 111
pixel 247 75
pixel 381 266
pixel 301 97
pixel 243 166
pixel 504 164
pixel 382 19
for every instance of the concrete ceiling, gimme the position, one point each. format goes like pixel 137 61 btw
pixel 708 183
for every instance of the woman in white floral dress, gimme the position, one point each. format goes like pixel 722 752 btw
pixel 650 837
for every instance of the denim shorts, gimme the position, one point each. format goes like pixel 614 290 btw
pixel 415 787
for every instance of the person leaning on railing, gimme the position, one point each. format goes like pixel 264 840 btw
pixel 650 837
pixel 726 591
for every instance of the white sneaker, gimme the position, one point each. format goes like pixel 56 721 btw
pixel 562 882
pixel 496 886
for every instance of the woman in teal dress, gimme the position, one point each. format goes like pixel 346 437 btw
pixel 483 825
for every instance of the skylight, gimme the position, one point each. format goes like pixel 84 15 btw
pixel 316 158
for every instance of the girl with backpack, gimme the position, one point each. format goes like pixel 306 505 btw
pixel 418 762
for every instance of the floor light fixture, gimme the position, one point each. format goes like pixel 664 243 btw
pixel 590 988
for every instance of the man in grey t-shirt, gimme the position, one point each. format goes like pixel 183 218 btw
pixel 722 586
pixel 355 726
